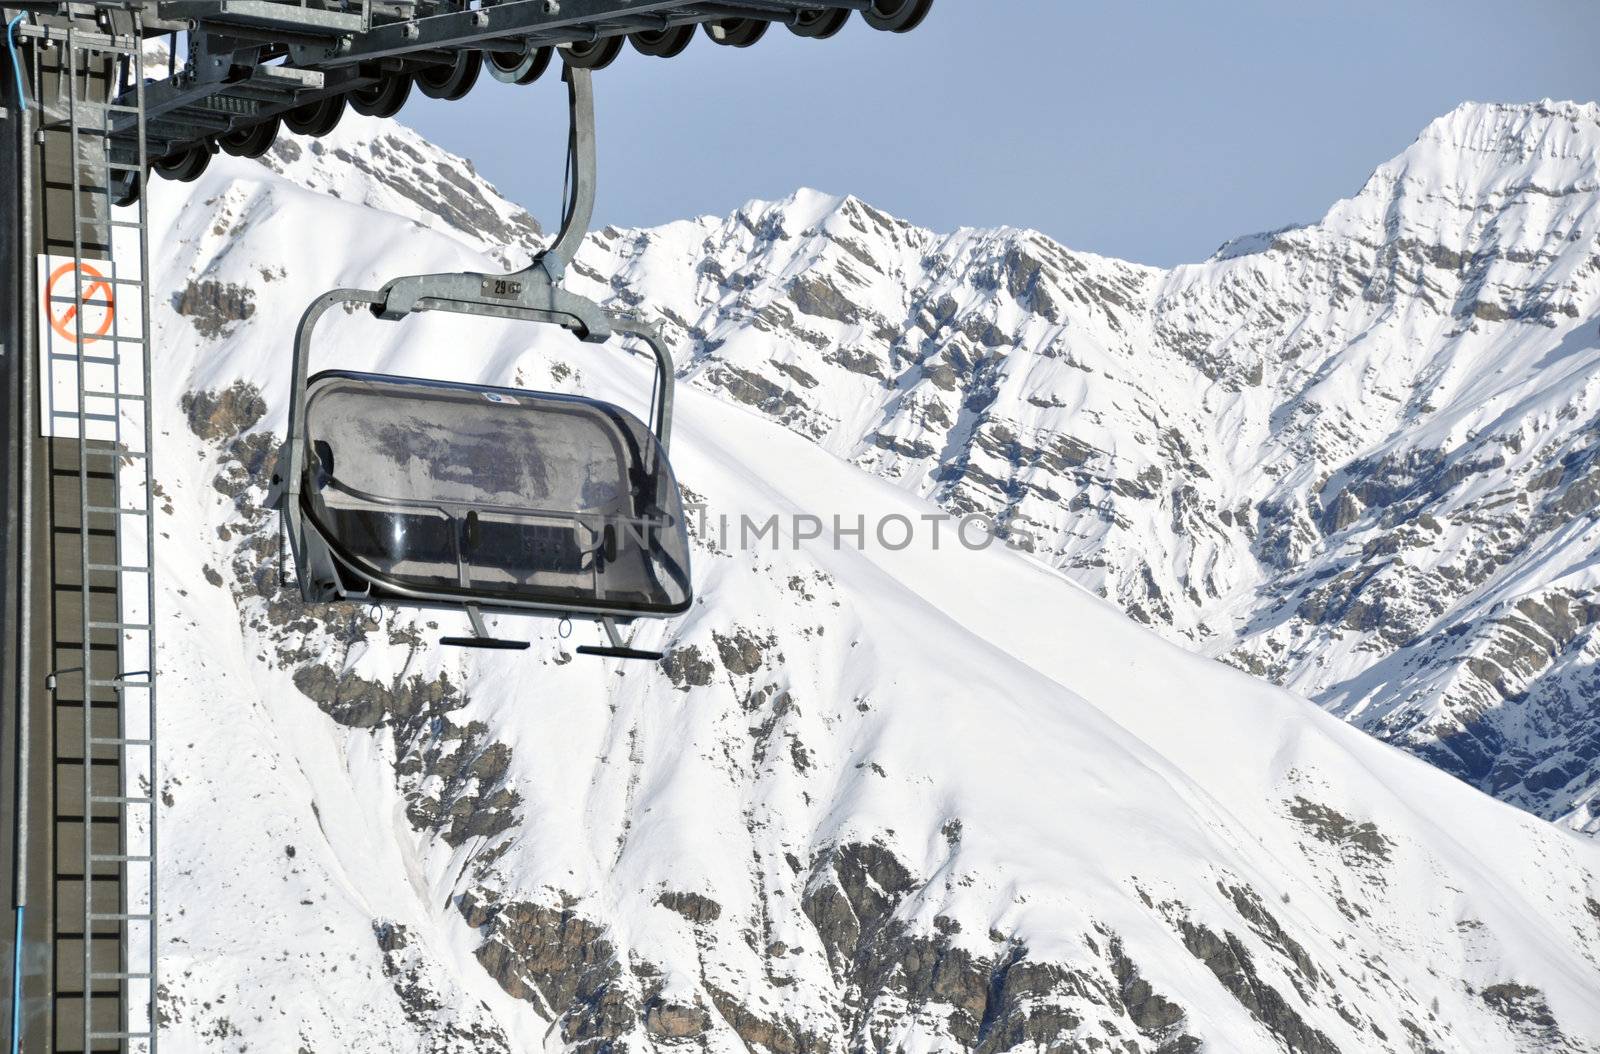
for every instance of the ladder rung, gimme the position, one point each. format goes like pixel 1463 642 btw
pixel 93 360
pixel 113 741
pixel 119 567
pixel 70 701
pixel 87 301
pixel 108 799
pixel 135 626
pixel 121 916
pixel 120 1035
pixel 65 759
pixel 110 279
pixel 122 396
pixel 73 415
pixel 109 338
pixel 113 452
pixel 69 818
pixel 118 977
pixel 118 166
pixel 77 935
pixel 72 993
pixel 120 858
pixel 125 223
pixel 118 682
pixel 114 510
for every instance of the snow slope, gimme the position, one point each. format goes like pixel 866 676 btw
pixel 927 799
pixel 1355 457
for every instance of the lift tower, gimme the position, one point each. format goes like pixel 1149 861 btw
pixel 79 578
pixel 88 116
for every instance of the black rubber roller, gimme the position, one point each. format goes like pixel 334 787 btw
pixel 819 24
pixel 384 97
pixel 897 16
pixel 519 67
pixel 126 188
pixel 736 32
pixel 315 118
pixel 592 54
pixel 662 43
pixel 253 141
pixel 451 80
pixel 186 163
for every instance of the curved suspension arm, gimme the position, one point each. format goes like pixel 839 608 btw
pixel 581 146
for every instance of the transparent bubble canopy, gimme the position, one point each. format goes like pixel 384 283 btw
pixel 526 499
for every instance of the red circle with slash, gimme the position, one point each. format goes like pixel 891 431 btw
pixel 95 283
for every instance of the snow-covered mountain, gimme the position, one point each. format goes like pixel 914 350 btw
pixel 920 799
pixel 1357 458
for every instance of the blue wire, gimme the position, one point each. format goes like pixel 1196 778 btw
pixel 16 63
pixel 16 986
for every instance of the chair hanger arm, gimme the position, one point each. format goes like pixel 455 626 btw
pixel 579 212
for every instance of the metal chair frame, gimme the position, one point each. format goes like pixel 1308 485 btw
pixel 533 294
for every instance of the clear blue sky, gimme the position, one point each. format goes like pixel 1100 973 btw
pixel 1152 131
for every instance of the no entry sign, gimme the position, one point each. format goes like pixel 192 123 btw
pixel 71 287
pixel 86 327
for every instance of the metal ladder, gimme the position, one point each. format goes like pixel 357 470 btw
pixel 98 406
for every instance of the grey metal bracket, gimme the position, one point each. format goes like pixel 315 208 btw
pixel 534 292
pixel 264 13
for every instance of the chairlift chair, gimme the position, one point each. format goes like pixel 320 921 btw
pixel 427 493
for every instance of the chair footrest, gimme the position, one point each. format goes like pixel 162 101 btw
pixel 484 643
pixel 620 653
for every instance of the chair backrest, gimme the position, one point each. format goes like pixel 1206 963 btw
pixel 465 493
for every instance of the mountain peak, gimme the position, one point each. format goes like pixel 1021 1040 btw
pixel 1497 144
pixel 801 210
pixel 1500 173
pixel 1513 117
pixel 1561 138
